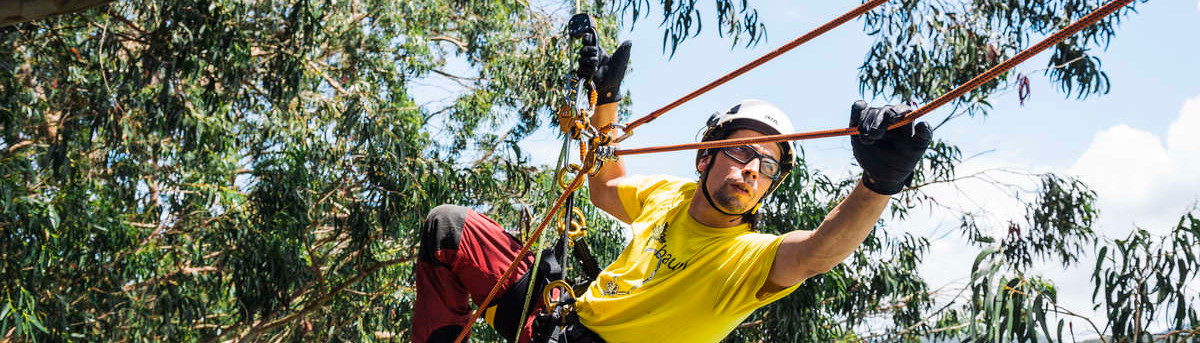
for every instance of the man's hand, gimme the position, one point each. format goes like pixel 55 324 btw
pixel 605 70
pixel 887 157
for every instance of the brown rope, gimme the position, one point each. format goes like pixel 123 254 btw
pixel 1065 32
pixel 857 11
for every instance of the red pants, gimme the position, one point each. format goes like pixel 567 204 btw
pixel 462 254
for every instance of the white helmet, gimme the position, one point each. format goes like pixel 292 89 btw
pixel 755 115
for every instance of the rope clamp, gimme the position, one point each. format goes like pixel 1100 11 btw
pixel 606 153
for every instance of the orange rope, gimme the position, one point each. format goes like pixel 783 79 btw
pixel 972 84
pixel 857 11
pixel 1086 21
pixel 578 179
pixel 520 256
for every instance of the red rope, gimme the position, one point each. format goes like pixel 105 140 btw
pixel 561 198
pixel 970 85
pixel 857 11
pixel 1065 32
pixel 520 256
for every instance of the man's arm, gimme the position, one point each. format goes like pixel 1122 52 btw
pixel 603 186
pixel 888 159
pixel 606 71
pixel 804 254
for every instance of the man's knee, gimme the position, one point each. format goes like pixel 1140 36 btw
pixel 441 230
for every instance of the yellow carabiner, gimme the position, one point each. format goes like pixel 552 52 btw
pixel 577 231
pixel 578 225
pixel 552 300
pixel 562 175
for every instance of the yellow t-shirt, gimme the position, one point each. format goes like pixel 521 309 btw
pixel 677 280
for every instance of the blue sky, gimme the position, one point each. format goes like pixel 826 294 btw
pixel 1137 146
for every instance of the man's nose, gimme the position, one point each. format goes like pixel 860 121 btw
pixel 750 169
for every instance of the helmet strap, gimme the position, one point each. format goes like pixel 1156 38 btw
pixel 704 188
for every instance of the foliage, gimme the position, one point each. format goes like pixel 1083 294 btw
pixel 218 170
pixel 1146 279
pixel 230 170
pixel 923 49
pixel 681 19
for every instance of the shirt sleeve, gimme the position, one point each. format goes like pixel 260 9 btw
pixel 636 191
pixel 752 267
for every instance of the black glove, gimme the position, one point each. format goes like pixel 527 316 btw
pixel 887 157
pixel 605 70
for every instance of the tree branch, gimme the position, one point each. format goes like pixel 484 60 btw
pixel 184 270
pixel 127 22
pixel 332 83
pixel 319 302
pixel 13 148
pixel 491 150
pixel 1063 310
pixel 455 41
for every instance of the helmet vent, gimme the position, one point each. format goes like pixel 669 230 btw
pixel 735 108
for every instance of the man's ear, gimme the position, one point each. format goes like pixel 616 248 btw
pixel 702 164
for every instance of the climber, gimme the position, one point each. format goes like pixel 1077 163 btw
pixel 696 265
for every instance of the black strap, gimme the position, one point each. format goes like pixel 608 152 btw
pixel 581 251
pixel 558 328
pixel 509 305
pixel 553 260
pixel 591 268
pixel 560 247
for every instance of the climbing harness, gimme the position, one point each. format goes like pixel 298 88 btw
pixel 557 321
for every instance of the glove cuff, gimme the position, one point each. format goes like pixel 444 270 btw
pixel 608 96
pixel 886 187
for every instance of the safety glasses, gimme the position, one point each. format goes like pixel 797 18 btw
pixel 768 166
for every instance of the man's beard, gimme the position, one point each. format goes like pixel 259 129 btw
pixel 729 201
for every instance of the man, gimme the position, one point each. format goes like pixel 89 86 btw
pixel 695 267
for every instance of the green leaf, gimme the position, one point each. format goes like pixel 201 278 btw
pixel 1060 330
pixel 32 319
pixel 52 215
pixel 1096 272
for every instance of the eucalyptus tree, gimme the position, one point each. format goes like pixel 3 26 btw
pixel 17 11
pixel 236 170
pixel 196 170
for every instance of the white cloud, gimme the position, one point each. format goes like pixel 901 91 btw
pixel 1183 140
pixel 1139 180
